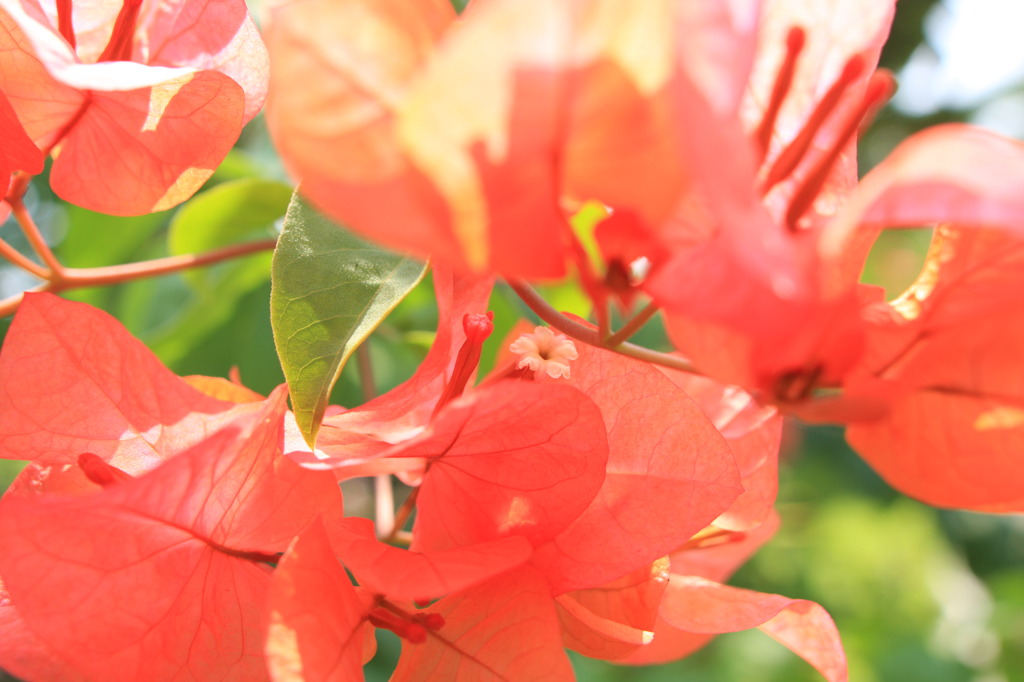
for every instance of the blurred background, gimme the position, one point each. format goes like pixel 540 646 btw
pixel 919 594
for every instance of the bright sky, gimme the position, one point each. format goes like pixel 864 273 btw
pixel 978 51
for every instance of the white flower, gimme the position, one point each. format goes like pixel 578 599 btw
pixel 545 352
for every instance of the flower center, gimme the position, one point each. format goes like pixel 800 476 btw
pixel 879 88
pixel 544 352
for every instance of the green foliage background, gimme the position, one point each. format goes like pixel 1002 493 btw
pixel 920 595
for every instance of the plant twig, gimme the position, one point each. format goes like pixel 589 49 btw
pixel 13 256
pixel 634 324
pixel 75 278
pixel 34 236
pixel 590 336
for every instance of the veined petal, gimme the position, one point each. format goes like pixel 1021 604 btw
pixel 952 173
pixel 148 149
pixel 207 35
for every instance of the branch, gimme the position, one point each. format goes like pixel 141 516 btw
pixel 75 278
pixel 590 336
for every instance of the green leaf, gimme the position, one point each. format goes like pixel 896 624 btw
pixel 330 290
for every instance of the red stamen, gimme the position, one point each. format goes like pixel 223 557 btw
pixel 478 327
pixel 119 47
pixel 382 618
pixel 431 621
pixel 791 156
pixel 100 472
pixel 64 22
pixel 795 40
pixel 879 89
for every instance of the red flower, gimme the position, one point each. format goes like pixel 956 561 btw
pixel 139 536
pixel 138 102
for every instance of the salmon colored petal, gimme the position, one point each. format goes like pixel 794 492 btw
pixel 504 629
pixel 73 380
pixel 362 55
pixel 716 553
pixel 668 644
pixel 948 356
pixel 754 433
pixel 146 150
pixel 714 557
pixel 482 123
pixel 19 153
pixel 508 459
pixel 949 448
pixel 44 104
pixel 951 173
pixel 612 621
pixel 211 35
pixel 698 605
pixel 718 51
pixel 180 550
pixel 836 30
pixel 22 654
pixel 421 576
pixel 669 474
pixel 623 103
pixel 316 618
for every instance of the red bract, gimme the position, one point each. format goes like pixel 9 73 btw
pixel 140 101
pixel 507 459
pixel 754 433
pixel 747 291
pixel 317 621
pixel 945 360
pixel 18 152
pixel 669 474
pixel 180 551
pixel 73 380
pixel 421 576
pixel 505 628
pixel 492 621
pixel 614 620
pixel 465 147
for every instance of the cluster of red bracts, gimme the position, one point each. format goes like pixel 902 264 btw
pixel 599 512
pixel 719 142
pixel 170 528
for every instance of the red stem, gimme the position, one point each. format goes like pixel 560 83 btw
pixel 590 336
pixel 74 278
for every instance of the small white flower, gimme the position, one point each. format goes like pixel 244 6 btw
pixel 545 352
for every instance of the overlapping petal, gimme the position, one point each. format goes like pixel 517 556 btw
pixel 669 474
pixel 180 550
pixel 142 132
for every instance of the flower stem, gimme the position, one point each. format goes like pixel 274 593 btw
pixel 383 493
pixel 403 514
pixel 34 236
pixel 590 336
pixel 86 277
pixel 12 255
pixel 75 278
pixel 634 324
